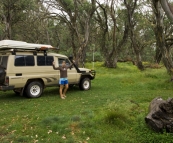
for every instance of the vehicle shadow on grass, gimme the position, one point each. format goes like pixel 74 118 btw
pixel 75 90
pixel 9 95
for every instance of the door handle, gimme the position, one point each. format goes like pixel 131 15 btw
pixel 18 74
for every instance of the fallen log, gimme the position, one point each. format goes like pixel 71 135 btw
pixel 160 116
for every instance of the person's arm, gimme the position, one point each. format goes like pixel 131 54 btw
pixel 55 68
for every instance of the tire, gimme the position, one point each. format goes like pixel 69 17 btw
pixel 2 75
pixel 34 89
pixel 85 84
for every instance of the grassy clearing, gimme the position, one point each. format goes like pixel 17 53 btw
pixel 112 111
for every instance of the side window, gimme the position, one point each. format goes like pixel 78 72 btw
pixel 24 60
pixel 60 60
pixel 29 61
pixel 41 60
pixel 44 60
pixel 19 61
pixel 49 60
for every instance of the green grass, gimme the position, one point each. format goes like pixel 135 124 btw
pixel 113 111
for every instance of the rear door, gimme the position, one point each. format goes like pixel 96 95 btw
pixel 3 67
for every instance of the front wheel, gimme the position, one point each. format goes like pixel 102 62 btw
pixel 34 89
pixel 85 84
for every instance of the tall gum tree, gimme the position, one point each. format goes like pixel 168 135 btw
pixel 130 8
pixel 77 14
pixel 110 32
pixel 161 50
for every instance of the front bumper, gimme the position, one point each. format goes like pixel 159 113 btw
pixel 4 87
pixel 93 73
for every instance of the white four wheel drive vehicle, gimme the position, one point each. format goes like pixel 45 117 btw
pixel 27 69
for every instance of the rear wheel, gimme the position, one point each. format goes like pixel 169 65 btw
pixel 85 84
pixel 34 89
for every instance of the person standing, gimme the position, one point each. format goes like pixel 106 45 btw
pixel 63 78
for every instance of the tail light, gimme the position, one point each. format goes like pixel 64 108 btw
pixel 7 81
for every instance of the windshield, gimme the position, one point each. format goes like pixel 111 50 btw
pixel 61 60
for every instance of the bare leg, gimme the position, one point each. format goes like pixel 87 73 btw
pixel 65 89
pixel 60 91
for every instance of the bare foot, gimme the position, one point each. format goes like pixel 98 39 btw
pixel 62 97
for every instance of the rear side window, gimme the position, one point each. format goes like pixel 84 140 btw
pixel 49 60
pixel 44 60
pixel 41 60
pixel 21 60
pixel 3 61
pixel 29 61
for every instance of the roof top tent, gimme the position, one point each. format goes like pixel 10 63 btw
pixel 11 44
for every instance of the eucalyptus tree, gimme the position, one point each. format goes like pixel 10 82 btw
pixel 112 31
pixel 131 7
pixel 162 44
pixel 11 12
pixel 141 35
pixel 77 15
pixel 34 24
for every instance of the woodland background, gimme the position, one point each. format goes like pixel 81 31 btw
pixel 115 30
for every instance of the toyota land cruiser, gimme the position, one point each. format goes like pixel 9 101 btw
pixel 26 69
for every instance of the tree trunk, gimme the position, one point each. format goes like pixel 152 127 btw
pixel 7 33
pixel 137 52
pixel 111 61
pixel 130 12
pixel 168 9
pixel 160 116
pixel 161 51
pixel 158 56
pixel 8 22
